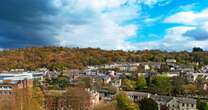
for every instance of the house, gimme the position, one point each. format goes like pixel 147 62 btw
pixel 187 70
pixel 137 96
pixel 116 82
pixel 111 73
pixel 166 102
pixel 191 77
pixel 171 61
pixel 128 67
pixel 73 74
pixel 172 74
pixel 146 67
pixel 182 104
pixel 106 79
pixel 204 69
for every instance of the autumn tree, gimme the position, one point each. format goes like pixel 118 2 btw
pixel 77 99
pixel 128 85
pixel 105 106
pixel 124 103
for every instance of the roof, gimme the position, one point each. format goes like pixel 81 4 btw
pixel 187 100
pixel 18 75
pixel 161 99
pixel 132 93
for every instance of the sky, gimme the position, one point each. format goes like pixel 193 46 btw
pixel 172 25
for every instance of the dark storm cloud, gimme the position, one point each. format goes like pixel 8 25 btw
pixel 22 23
pixel 198 34
pixel 23 10
pixel 36 22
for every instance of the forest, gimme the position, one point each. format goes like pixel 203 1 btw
pixel 59 58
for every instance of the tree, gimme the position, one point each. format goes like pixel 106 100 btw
pixel 128 85
pixel 202 105
pixel 105 106
pixel 161 85
pixel 164 68
pixel 199 82
pixel 38 95
pixel 63 82
pixel 190 88
pixel 141 83
pixel 124 103
pixel 27 100
pixel 148 104
pixel 197 49
pixel 7 103
pixel 77 99
pixel 177 85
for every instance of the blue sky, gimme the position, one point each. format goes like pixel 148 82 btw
pixel 172 25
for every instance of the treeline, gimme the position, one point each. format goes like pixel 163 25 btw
pixel 60 58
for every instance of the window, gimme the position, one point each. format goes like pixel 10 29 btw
pixel 192 105
pixel 183 104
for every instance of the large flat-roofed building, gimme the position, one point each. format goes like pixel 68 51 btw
pixel 12 81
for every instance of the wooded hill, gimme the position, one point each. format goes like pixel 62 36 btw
pixel 60 58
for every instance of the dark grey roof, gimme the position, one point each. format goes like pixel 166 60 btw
pixel 186 100
pixel 132 93
pixel 161 99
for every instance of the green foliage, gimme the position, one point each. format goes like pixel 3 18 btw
pixel 128 85
pixel 86 82
pixel 124 103
pixel 56 66
pixel 177 83
pixel 148 104
pixel 60 82
pixel 141 83
pixel 197 49
pixel 202 105
pixel 161 85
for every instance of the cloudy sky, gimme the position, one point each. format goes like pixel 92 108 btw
pixel 172 25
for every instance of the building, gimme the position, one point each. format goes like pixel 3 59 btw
pixel 137 96
pixel 171 61
pixel 128 67
pixel 181 104
pixel 10 82
pixel 166 102
pixel 191 77
pixel 72 74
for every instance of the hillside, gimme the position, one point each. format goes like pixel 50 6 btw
pixel 58 57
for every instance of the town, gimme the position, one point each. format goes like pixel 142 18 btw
pixel 158 85
pixel 103 54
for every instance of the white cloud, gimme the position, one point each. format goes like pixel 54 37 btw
pixel 188 17
pixel 153 2
pixel 101 28
pixel 175 37
pixel 102 25
pixel 173 41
